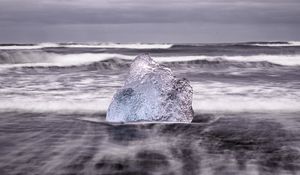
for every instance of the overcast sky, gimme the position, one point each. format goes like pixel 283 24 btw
pixel 149 20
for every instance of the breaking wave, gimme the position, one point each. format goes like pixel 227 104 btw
pixel 119 46
pixel 85 45
pixel 277 44
pixel 40 59
pixel 27 46
pixel 44 59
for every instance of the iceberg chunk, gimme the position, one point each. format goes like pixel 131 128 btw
pixel 151 93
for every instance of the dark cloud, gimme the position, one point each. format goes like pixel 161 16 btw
pixel 51 17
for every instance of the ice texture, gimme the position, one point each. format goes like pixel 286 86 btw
pixel 151 93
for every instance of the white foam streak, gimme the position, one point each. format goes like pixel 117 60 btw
pixel 101 45
pixel 85 58
pixel 219 104
pixel 28 47
pixel 121 46
pixel 246 104
pixel 54 106
pixel 234 97
pixel 286 60
pixel 208 97
pixel 52 59
pixel 291 43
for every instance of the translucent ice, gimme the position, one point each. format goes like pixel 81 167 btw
pixel 151 93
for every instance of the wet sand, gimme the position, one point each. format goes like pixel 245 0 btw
pixel 33 143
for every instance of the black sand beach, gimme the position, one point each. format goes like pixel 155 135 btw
pixel 68 144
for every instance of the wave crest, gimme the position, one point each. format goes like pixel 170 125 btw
pixel 84 45
pixel 102 61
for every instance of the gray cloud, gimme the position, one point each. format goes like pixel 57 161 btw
pixel 116 12
pixel 50 16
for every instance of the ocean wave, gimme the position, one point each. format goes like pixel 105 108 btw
pixel 88 45
pixel 60 106
pixel 44 59
pixel 27 59
pixel 119 46
pixel 246 104
pixel 238 97
pixel 28 46
pixel 277 44
pixel 224 104
pixel 142 46
pixel 284 60
pixel 120 64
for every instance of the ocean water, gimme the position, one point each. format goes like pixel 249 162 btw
pixel 54 96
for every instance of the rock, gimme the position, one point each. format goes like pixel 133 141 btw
pixel 151 93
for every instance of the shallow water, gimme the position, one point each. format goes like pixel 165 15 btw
pixel 53 100
pixel 67 144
